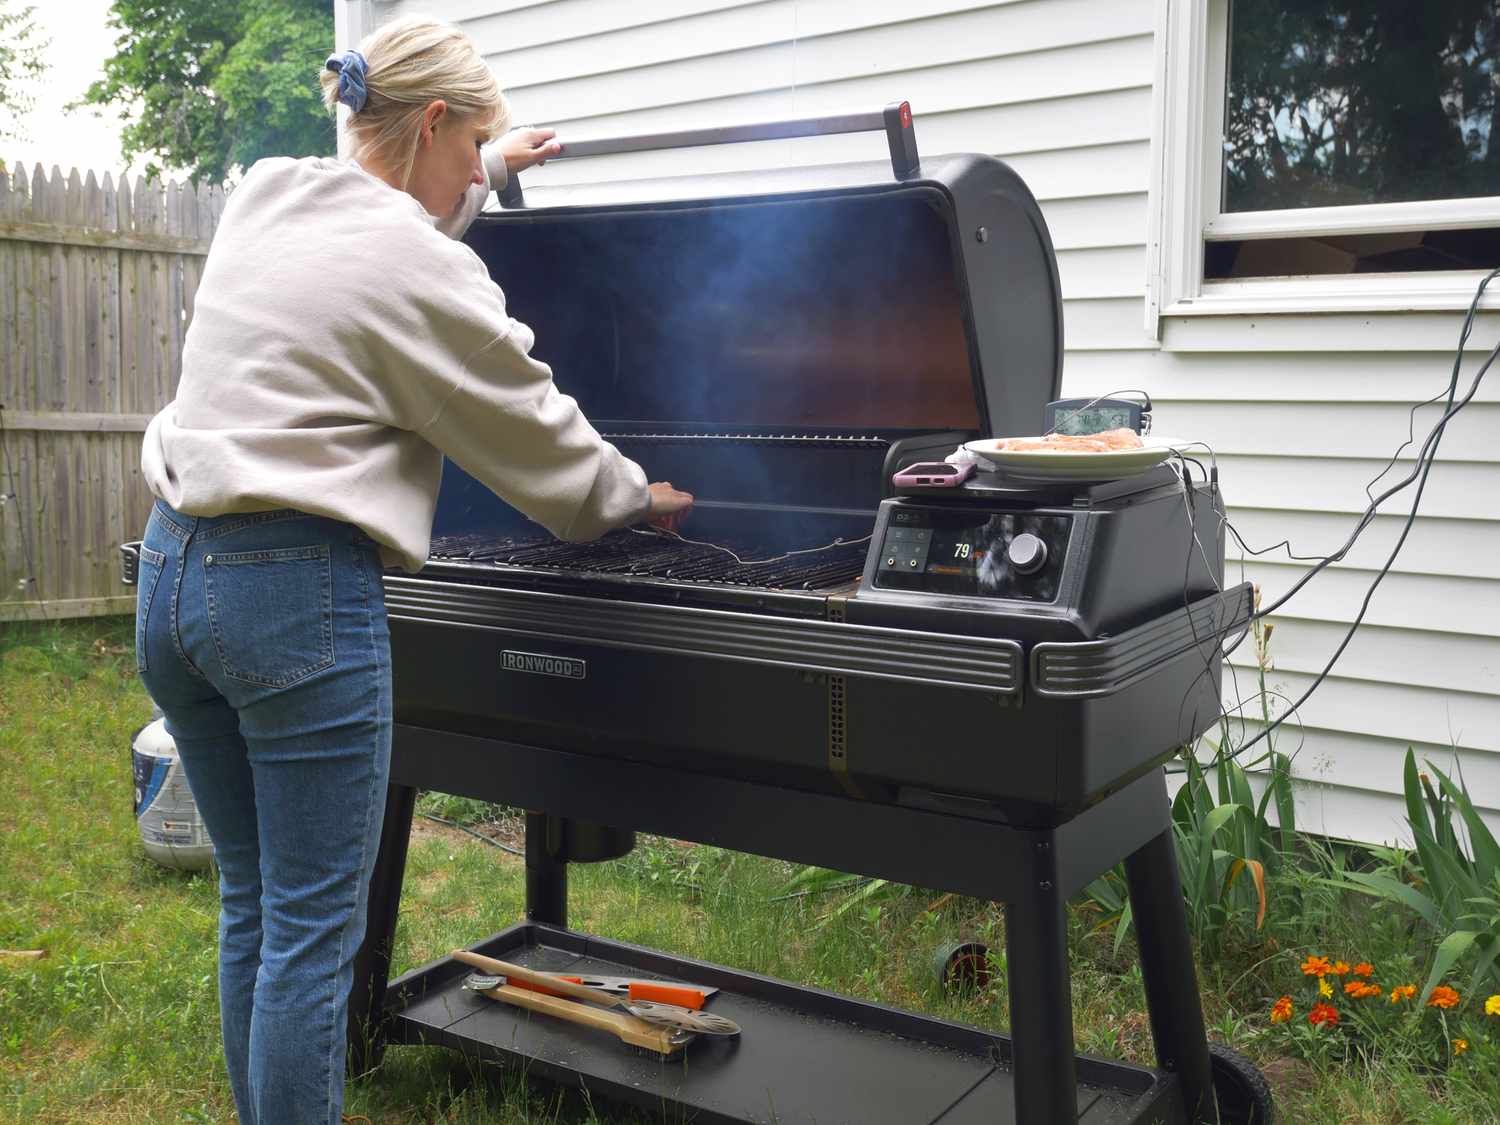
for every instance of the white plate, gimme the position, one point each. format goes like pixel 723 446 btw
pixel 1077 465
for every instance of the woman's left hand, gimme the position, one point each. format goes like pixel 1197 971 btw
pixel 525 147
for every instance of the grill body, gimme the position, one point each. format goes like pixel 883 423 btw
pixel 966 689
pixel 780 344
pixel 1024 707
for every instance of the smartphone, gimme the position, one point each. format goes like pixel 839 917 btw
pixel 937 474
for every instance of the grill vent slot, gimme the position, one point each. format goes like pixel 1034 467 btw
pixel 838 733
pixel 837 745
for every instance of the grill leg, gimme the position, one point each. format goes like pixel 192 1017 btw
pixel 1041 1005
pixel 1160 919
pixel 546 875
pixel 372 964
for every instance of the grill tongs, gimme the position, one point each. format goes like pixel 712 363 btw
pixel 664 1028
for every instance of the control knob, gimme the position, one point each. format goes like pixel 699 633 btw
pixel 1027 553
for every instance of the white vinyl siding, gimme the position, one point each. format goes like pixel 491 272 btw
pixel 1302 409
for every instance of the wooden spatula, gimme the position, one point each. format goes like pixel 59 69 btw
pixel 665 1015
pixel 637 1033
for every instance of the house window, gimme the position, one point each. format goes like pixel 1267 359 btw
pixel 1324 155
pixel 1331 104
pixel 1354 103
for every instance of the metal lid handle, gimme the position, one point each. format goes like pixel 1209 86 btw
pixel 895 119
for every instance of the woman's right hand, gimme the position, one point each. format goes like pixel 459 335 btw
pixel 523 147
pixel 668 506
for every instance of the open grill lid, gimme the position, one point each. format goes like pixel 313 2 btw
pixel 870 297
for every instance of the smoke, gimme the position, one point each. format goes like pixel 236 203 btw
pixel 811 316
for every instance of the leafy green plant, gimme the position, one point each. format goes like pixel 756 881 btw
pixel 684 868
pixel 209 86
pixel 863 893
pixel 141 1042
pixel 1227 850
pixel 460 810
pixel 23 61
pixel 1454 889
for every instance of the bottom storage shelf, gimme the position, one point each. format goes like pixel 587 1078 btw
pixel 805 1057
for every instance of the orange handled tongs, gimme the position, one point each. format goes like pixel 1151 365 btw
pixel 635 988
pixel 542 995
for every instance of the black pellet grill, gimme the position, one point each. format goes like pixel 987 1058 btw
pixel 972 690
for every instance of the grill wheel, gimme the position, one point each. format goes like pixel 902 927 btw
pixel 1243 1094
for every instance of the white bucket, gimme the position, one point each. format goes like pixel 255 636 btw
pixel 171 828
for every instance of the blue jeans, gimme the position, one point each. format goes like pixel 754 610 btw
pixel 263 638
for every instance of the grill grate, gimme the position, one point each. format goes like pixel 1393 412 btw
pixel 629 553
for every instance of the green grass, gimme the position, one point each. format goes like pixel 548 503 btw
pixel 119 1022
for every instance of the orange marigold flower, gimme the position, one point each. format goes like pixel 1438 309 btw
pixel 1459 1047
pixel 1340 968
pixel 1364 969
pixel 1316 966
pixel 1492 1005
pixel 1361 989
pixel 1403 992
pixel 1325 1015
pixel 1443 997
pixel 1281 1011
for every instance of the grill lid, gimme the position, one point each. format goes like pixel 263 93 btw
pixel 839 296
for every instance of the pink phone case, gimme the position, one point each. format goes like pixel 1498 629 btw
pixel 933 474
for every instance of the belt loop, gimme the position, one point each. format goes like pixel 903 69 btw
pixel 177 525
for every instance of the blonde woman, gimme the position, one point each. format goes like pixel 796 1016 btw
pixel 340 346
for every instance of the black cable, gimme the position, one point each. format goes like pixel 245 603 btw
pixel 1426 457
pixel 477 835
pixel 1371 510
pixel 1195 544
pixel 1287 543
pixel 1228 713
pixel 1411 433
pixel 1146 406
pixel 1411 421
pixel 1422 468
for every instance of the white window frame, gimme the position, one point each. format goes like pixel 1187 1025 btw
pixel 1187 143
pixel 352 21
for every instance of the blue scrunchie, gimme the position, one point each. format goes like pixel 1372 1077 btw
pixel 350 67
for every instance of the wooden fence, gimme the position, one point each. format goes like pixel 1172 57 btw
pixel 97 281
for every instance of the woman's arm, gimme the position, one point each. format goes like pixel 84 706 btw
pixel 507 425
pixel 464 369
pixel 517 150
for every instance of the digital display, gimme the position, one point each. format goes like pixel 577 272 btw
pixel 967 553
pixel 1094 420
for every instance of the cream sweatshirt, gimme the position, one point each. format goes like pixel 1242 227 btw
pixel 340 346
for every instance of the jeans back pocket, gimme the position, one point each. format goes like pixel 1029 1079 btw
pixel 271 613
pixel 148 574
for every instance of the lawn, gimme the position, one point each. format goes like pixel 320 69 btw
pixel 118 1022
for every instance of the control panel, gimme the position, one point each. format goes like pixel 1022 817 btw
pixel 974 553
